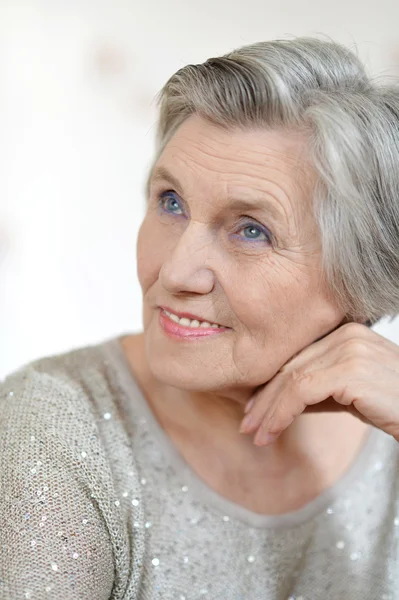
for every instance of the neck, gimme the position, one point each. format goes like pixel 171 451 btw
pixel 212 421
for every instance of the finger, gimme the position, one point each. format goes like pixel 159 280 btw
pixel 354 339
pixel 263 401
pixel 305 389
pixel 331 406
pixel 351 391
pixel 323 354
pixel 261 404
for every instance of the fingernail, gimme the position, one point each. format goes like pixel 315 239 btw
pixel 249 405
pixel 264 438
pixel 246 423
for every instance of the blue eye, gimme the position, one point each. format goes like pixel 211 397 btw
pixel 169 203
pixel 255 233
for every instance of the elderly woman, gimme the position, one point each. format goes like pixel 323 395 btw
pixel 244 446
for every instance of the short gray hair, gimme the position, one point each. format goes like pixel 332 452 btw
pixel 352 126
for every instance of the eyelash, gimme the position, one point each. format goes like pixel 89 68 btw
pixel 163 197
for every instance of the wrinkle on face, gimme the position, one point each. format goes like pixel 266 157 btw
pixel 271 296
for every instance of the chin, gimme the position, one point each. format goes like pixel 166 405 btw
pixel 179 376
pixel 180 365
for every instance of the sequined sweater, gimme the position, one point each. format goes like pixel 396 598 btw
pixel 97 503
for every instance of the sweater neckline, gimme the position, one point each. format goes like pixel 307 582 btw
pixel 228 508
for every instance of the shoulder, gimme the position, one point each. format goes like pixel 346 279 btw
pixel 41 392
pixel 67 408
pixel 46 410
pixel 63 386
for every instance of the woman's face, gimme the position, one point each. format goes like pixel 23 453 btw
pixel 229 236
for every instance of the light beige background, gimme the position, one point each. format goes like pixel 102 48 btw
pixel 77 81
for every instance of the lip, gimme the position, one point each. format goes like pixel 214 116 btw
pixel 181 332
pixel 190 316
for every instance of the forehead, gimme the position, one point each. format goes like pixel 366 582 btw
pixel 220 163
pixel 235 150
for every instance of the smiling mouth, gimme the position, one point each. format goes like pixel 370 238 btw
pixel 176 326
pixel 192 323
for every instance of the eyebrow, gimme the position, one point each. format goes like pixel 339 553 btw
pixel 260 203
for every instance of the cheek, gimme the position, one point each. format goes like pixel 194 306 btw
pixel 149 253
pixel 257 294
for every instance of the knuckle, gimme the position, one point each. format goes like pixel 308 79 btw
pixel 351 330
pixel 274 426
pixel 299 378
pixel 356 348
pixel 357 364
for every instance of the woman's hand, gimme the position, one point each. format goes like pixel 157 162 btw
pixel 353 368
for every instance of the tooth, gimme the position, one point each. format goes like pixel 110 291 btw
pixel 194 323
pixel 205 324
pixel 214 326
pixel 185 322
pixel 174 318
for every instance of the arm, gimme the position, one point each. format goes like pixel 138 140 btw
pixel 54 541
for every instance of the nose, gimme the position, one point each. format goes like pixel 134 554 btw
pixel 186 270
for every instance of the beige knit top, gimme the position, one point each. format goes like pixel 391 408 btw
pixel 97 503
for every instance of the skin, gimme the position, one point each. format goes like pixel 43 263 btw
pixel 198 257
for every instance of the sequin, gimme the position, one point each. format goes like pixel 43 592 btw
pixel 378 466
pixel 354 556
pixel 11 394
pixel 28 594
pixel 107 416
pixel 33 543
pixel 174 512
pixel 33 470
pixel 32 438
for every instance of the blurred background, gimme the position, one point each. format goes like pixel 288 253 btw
pixel 77 115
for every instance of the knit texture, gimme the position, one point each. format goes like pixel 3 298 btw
pixel 96 503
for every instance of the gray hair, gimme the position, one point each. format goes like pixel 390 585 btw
pixel 352 126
